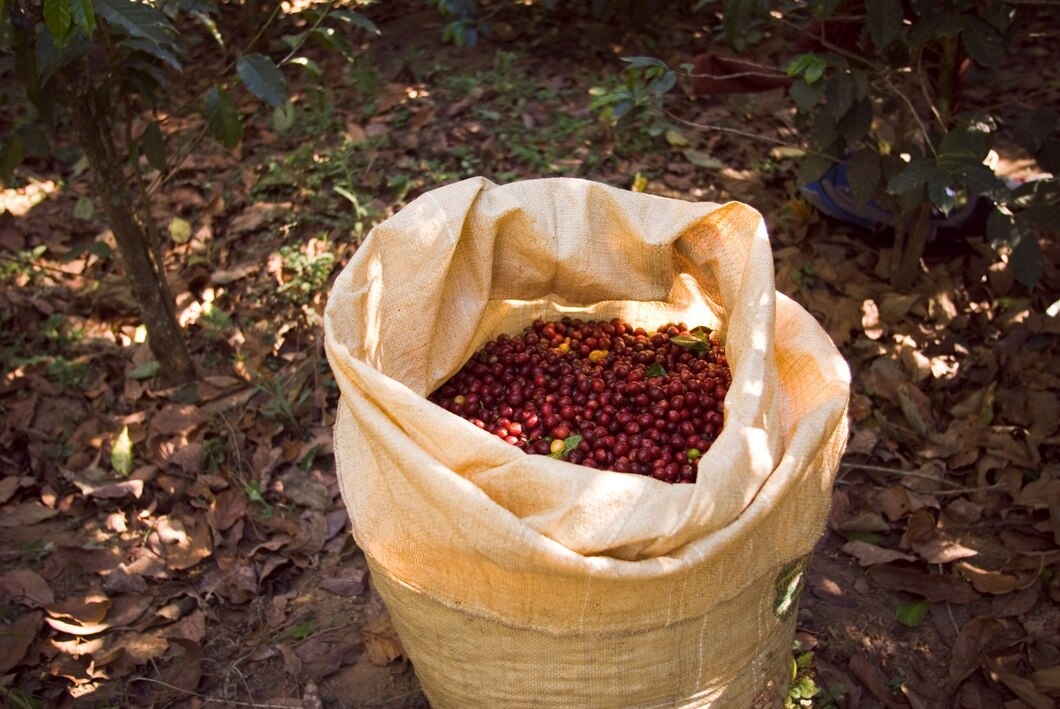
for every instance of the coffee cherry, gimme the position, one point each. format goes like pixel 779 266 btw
pixel 601 394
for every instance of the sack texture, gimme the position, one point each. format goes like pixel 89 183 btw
pixel 519 580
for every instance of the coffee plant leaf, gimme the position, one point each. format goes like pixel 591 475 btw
pixel 1032 132
pixel 356 19
pixel 140 19
pixel 1043 216
pixel 222 118
pixel 982 42
pixel 856 123
pixel 915 174
pixel 962 143
pixel 84 15
pixel 813 167
pixel 978 178
pixel 154 146
pixel 1026 258
pixel 139 44
pixel 883 21
pixel 1049 155
pixel 805 95
pixel 809 66
pixel 639 62
pixel 864 173
pixel 58 18
pixel 262 78
pixel 999 227
pixel 824 131
pixel 941 192
pixel 839 92
pixel 911 613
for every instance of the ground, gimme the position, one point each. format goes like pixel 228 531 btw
pixel 218 568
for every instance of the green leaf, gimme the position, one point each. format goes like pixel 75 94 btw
pixel 147 46
pixel 58 18
pixel 154 146
pixel 356 19
pixel 663 84
pixel 139 19
pixel 1044 216
pixel 179 230
pixel 824 133
pixel 697 340
pixel 262 78
pixel 915 174
pixel 941 192
pixel 864 172
pixel 856 123
pixel 303 629
pixel 121 455
pixel 804 95
pixel 911 613
pixel 569 444
pixel 883 21
pixel 1049 155
pixel 839 92
pixel 702 159
pixel 812 168
pixel 637 62
pixel 999 226
pixel 84 209
pixel 283 116
pixel 656 370
pixel 1031 132
pixel 965 143
pixel 84 15
pixel 222 118
pixel 1026 258
pixel 308 64
pixel 10 157
pixel 100 249
pixel 147 370
pixel 978 178
pixel 982 42
pixel 809 66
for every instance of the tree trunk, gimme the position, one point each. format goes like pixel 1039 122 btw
pixel 147 278
pixel 911 234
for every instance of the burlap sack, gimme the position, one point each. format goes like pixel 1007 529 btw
pixel 517 580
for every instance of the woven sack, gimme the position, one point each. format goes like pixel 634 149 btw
pixel 518 580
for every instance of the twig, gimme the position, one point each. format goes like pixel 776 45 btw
pixel 224 700
pixel 727 129
pixel 898 471
pixel 913 111
pixel 924 88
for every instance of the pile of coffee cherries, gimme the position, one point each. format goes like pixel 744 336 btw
pixel 602 394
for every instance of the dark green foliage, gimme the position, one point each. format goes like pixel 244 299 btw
pixel 894 95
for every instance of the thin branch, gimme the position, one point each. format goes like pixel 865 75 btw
pixel 924 88
pixel 224 700
pixel 913 111
pixel 897 471
pixel 727 129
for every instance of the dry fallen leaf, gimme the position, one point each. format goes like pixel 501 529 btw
pixel 25 514
pixel 933 587
pixel 381 642
pixel 930 543
pixel 873 678
pixel 995 582
pixel 970 642
pixel 17 637
pixel 870 554
pixel 26 587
